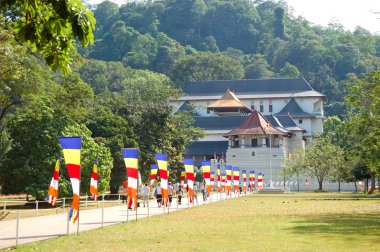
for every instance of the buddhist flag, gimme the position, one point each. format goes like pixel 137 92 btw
pixel 244 172
pixel 218 177
pixel 206 168
pixel 153 173
pixel 189 166
pixel 260 181
pixel 252 179
pixel 236 178
pixel 228 182
pixel 130 156
pixel 212 180
pixel 195 172
pixel 223 176
pixel 183 174
pixel 94 181
pixel 162 162
pixel 52 195
pixel 71 147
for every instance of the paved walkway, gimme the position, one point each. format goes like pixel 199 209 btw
pixel 45 227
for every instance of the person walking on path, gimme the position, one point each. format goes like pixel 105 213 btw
pixel 146 191
pixel 158 194
pixel 179 195
pixel 204 191
pixel 170 193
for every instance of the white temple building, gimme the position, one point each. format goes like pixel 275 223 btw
pixel 254 123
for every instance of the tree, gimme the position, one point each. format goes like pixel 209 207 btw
pixel 51 27
pixel 320 160
pixel 363 102
pixel 278 25
pixel 115 133
pixel 256 67
pixel 29 170
pixel 289 71
pixel 205 66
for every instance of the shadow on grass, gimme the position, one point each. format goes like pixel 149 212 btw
pixel 347 225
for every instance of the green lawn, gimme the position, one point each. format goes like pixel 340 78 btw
pixel 292 222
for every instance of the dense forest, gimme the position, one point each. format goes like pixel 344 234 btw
pixel 115 93
pixel 217 39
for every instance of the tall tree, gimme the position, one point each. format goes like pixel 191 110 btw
pixel 363 102
pixel 205 66
pixel 320 159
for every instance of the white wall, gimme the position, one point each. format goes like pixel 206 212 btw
pixel 317 125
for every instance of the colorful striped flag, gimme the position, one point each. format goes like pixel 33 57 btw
pixel 52 194
pixel 260 181
pixel 131 156
pixel 236 177
pixel 228 182
pixel 71 147
pixel 223 181
pixel 195 172
pixel 206 168
pixel 189 166
pixel 244 172
pixel 183 174
pixel 252 179
pixel 212 180
pixel 94 181
pixel 162 161
pixel 218 177
pixel 153 173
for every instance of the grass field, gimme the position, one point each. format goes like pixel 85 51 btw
pixel 291 222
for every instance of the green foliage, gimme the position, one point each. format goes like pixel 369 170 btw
pixel 263 36
pixel 28 166
pixel 51 27
pixel 205 66
pixel 321 159
pixel 363 102
pixel 29 170
pixel 289 71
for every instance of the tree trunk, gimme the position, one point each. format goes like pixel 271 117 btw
pixel 338 185
pixel 320 185
pixel 372 174
pixel 356 186
pixel 366 185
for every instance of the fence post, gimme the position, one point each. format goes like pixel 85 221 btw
pixel 5 205
pixel 86 201
pixel 64 203
pixel 119 199
pixel 68 222
pixel 17 225
pixel 102 210
pixel 37 207
pixel 127 213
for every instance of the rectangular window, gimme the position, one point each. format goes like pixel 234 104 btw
pixel 261 108
pixel 254 143
pixel 270 108
pixel 300 121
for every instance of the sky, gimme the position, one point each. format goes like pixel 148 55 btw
pixel 350 13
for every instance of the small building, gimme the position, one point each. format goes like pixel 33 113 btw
pixel 256 143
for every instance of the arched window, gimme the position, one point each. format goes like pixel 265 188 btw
pixel 253 154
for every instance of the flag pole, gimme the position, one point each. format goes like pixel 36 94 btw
pixel 80 176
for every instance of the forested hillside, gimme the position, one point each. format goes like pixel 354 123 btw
pixel 222 39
